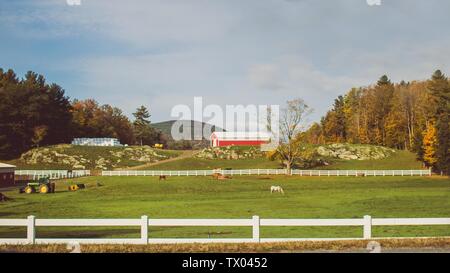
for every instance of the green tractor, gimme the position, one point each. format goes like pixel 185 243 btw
pixel 43 185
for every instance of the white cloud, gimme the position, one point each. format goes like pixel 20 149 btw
pixel 163 53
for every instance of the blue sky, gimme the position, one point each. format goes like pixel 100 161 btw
pixel 163 53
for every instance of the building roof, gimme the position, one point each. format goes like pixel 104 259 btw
pixel 242 135
pixel 3 165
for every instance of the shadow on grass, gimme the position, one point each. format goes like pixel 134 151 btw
pixel 91 234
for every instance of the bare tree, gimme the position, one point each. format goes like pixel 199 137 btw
pixel 292 122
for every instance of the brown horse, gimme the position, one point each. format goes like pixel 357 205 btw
pixel 162 177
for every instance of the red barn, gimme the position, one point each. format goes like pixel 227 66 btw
pixel 6 175
pixel 221 139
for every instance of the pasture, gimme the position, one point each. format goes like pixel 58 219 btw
pixel 239 197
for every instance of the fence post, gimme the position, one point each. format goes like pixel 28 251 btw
pixel 367 234
pixel 256 229
pixel 31 230
pixel 144 229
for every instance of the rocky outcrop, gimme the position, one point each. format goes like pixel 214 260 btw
pixel 52 156
pixel 230 153
pixel 321 153
pixel 141 154
pixel 354 151
pixel 80 158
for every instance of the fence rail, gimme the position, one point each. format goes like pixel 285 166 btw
pixel 271 172
pixel 60 174
pixel 53 174
pixel 255 223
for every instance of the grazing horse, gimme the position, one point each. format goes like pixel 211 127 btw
pixel 223 177
pixel 162 177
pixel 276 189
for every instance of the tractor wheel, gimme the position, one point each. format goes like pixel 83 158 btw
pixel 73 188
pixel 28 190
pixel 44 189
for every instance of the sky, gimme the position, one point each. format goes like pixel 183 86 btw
pixel 160 53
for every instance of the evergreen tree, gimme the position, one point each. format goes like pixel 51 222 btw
pixel 141 116
pixel 26 107
pixel 383 94
pixel 440 90
pixel 340 118
pixel 144 133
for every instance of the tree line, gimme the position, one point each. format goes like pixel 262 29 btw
pixel 407 115
pixel 33 113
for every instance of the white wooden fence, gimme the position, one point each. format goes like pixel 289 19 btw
pixel 255 222
pixel 61 174
pixel 53 174
pixel 272 172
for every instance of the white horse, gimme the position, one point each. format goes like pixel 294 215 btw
pixel 276 189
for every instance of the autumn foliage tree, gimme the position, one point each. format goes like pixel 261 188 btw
pixel 90 119
pixel 430 146
pixel 394 115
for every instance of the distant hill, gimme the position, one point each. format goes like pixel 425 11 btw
pixel 166 127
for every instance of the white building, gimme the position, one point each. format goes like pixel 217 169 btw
pixel 96 142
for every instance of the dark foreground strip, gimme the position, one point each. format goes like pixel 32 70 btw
pixel 211 262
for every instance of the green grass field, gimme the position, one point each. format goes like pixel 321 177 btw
pixel 208 164
pixel 240 197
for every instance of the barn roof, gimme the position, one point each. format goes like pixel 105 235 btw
pixel 3 165
pixel 242 135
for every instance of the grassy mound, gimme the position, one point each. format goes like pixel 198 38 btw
pixel 367 157
pixel 85 157
pixel 400 160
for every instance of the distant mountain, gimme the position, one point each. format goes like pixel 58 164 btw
pixel 166 127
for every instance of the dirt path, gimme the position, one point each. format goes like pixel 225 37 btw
pixel 185 154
